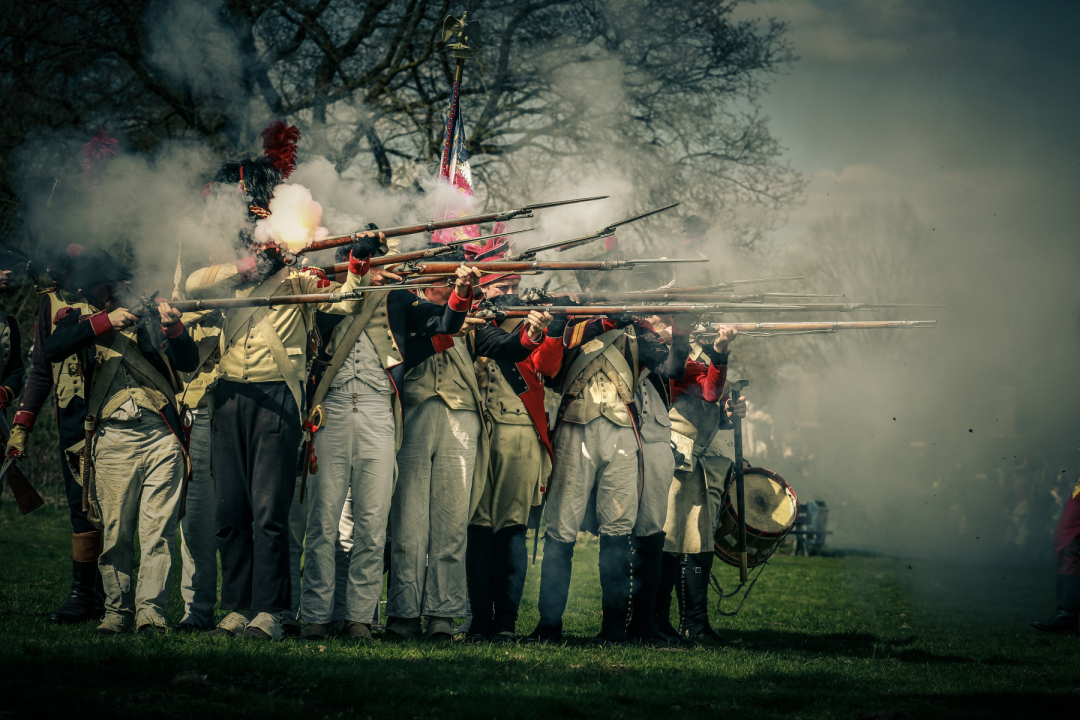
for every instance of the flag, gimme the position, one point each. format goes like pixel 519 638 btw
pixel 454 195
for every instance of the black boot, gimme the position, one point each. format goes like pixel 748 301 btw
pixel 554 587
pixel 511 565
pixel 87 599
pixel 648 554
pixel 693 591
pixel 1066 620
pixel 669 577
pixel 616 584
pixel 479 571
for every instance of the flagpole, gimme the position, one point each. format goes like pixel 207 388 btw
pixel 461 49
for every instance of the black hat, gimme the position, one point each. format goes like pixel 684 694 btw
pixel 11 259
pixel 94 266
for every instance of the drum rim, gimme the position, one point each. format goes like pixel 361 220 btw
pixel 774 476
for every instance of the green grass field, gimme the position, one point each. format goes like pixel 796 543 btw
pixel 843 636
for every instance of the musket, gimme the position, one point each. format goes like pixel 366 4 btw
pixel 564 245
pixel 26 497
pixel 804 327
pixel 523 212
pixel 517 266
pixel 816 307
pixel 724 285
pixel 687 297
pixel 146 307
pixel 420 254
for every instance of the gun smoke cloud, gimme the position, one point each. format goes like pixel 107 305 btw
pixel 948 443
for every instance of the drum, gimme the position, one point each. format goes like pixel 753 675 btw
pixel 771 512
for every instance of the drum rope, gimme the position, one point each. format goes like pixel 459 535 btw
pixel 721 595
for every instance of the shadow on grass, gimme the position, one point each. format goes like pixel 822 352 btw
pixel 231 679
pixel 847 644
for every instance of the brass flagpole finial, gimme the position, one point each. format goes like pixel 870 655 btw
pixel 466 36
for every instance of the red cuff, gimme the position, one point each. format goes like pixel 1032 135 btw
pixel 174 330
pixel 5 396
pixel 458 303
pixel 26 419
pixel 526 341
pixel 101 323
pixel 247 267
pixel 358 266
pixel 442 343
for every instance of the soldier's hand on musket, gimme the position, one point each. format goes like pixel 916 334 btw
pixel 738 408
pixel 466 278
pixel 370 243
pixel 724 335
pixel 383 277
pixel 121 319
pixel 169 315
pixel 536 323
pixel 16 446
pixel 467 326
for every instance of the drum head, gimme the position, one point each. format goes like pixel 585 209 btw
pixel 770 507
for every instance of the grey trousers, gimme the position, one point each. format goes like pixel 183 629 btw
pixel 430 511
pixel 198 542
pixel 140 473
pixel 297 530
pixel 355 448
pixel 659 464
pixel 598 457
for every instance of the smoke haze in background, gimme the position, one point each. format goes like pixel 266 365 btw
pixel 941 160
pixel 941 149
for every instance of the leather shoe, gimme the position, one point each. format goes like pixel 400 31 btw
pixel 356 631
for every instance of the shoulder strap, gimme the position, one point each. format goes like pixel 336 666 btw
pixel 235 322
pixel 121 349
pixel 281 359
pixel 345 345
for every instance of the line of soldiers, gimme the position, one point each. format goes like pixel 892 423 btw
pixel 411 422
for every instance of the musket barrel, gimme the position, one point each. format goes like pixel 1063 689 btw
pixel 240 302
pixel 866 325
pixel 338 240
pixel 514 266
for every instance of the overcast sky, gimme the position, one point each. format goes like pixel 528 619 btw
pixel 961 107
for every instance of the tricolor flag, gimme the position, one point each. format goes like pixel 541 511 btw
pixel 454 195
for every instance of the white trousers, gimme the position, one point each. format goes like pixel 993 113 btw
pixel 430 511
pixel 297 530
pixel 598 457
pixel 140 470
pixel 355 450
pixel 198 541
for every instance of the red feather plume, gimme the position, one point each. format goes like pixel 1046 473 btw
pixel 279 143
pixel 96 153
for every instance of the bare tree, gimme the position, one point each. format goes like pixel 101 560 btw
pixel 662 94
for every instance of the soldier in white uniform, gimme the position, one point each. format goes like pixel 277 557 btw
pixel 442 471
pixel 597 451
pixel 696 493
pixel 135 481
pixel 358 405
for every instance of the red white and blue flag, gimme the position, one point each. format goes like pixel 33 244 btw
pixel 454 194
